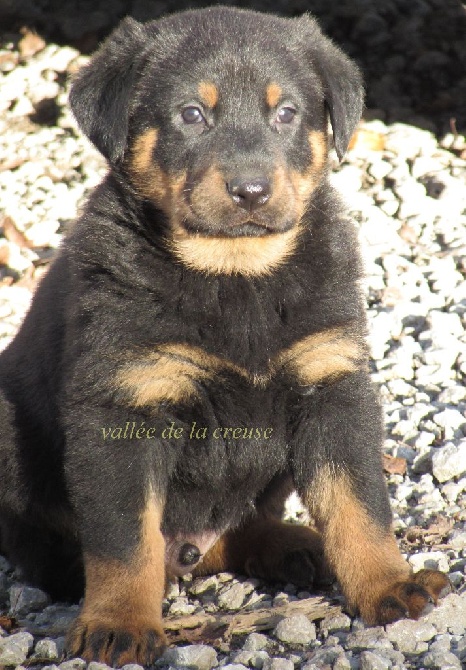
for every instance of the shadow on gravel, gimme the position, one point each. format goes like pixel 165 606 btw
pixel 412 52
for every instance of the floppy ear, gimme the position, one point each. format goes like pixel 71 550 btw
pixel 101 93
pixel 342 81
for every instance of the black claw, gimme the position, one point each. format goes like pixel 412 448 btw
pixel 189 554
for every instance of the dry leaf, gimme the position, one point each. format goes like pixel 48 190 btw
pixel 30 43
pixel 367 139
pixel 6 281
pixel 394 465
pixel 11 163
pixel 8 623
pixel 433 536
pixel 14 235
pixel 4 252
pixel 408 234
pixel 8 60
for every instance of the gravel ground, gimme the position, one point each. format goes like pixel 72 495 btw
pixel 405 187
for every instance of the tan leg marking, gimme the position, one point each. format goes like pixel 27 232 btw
pixel 170 374
pixel 269 549
pixel 364 557
pixel 173 371
pixel 121 619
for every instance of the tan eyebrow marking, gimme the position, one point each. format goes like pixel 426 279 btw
pixel 273 94
pixel 208 93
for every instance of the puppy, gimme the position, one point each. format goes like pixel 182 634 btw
pixel 197 349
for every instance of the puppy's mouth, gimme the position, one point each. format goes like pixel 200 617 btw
pixel 232 225
pixel 211 205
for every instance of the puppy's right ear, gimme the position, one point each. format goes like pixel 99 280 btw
pixel 101 93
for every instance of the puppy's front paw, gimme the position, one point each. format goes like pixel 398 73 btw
pixel 115 643
pixel 409 598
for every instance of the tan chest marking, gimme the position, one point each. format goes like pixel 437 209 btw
pixel 175 372
pixel 322 357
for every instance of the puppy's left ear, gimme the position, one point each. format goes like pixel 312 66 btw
pixel 342 82
pixel 102 91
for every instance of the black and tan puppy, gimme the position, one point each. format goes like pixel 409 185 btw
pixel 197 349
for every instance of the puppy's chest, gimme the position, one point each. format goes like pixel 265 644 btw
pixel 179 372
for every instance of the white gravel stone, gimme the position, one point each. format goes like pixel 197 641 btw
pixel 278 663
pixel 371 661
pixel 232 597
pixel 449 461
pixel 255 642
pixel 296 629
pixel 194 657
pixel 458 539
pixel 25 599
pixel 368 638
pixel 15 648
pixel 406 634
pixel 181 606
pixel 433 560
pixel 73 664
pixel 441 660
pixel 202 585
pixel 450 615
pixel 47 650
pixel 252 659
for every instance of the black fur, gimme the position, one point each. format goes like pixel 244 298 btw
pixel 116 291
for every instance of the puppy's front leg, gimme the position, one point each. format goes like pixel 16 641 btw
pixel 347 496
pixel 119 518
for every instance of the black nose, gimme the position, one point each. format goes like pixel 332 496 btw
pixel 189 554
pixel 249 193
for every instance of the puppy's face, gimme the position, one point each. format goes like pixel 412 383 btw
pixel 224 127
pixel 233 147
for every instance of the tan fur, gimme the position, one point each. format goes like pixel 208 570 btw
pixel 304 183
pixel 322 356
pixel 250 256
pixel 208 92
pixel 134 590
pixel 209 199
pixel 260 549
pixel 209 196
pixel 169 374
pixel 273 94
pixel 365 559
pixel 124 596
pixel 148 177
pixel 173 371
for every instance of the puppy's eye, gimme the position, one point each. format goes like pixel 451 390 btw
pixel 285 115
pixel 192 115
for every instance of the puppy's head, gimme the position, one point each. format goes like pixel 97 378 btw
pixel 219 118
